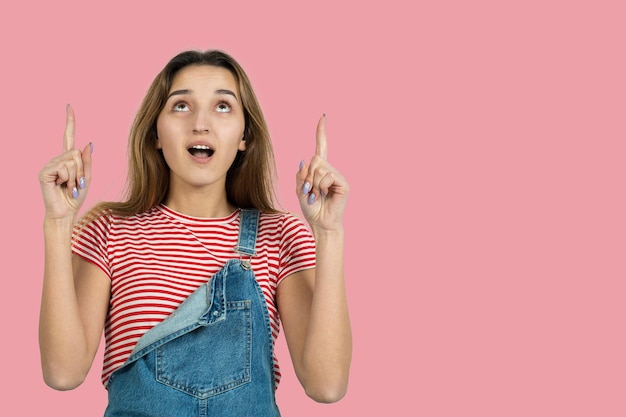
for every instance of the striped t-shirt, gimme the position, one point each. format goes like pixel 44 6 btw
pixel 156 259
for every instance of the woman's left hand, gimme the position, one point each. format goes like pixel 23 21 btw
pixel 321 189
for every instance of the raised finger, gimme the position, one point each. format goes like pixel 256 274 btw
pixel 321 146
pixel 70 127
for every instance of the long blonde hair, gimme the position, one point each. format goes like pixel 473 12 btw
pixel 250 179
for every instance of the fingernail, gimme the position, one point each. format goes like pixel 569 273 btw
pixel 75 192
pixel 311 198
pixel 91 147
pixel 81 182
pixel 306 188
pixel 301 165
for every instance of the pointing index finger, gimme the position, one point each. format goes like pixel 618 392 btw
pixel 70 127
pixel 321 146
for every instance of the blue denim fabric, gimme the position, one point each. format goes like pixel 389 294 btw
pixel 210 357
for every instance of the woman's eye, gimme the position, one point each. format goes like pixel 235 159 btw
pixel 181 107
pixel 223 108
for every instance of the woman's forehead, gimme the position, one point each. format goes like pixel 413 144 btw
pixel 200 76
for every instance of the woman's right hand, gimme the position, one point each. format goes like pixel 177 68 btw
pixel 65 179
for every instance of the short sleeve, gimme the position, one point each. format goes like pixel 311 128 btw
pixel 297 247
pixel 90 241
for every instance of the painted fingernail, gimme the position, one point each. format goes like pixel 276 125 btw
pixel 91 147
pixel 311 198
pixel 81 182
pixel 75 192
pixel 306 188
pixel 301 165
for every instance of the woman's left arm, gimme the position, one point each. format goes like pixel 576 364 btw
pixel 312 303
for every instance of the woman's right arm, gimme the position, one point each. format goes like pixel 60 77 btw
pixel 75 295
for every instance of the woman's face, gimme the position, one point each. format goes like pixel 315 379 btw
pixel 201 127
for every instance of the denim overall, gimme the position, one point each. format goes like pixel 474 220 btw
pixel 211 357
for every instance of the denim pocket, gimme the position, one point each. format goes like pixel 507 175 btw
pixel 210 359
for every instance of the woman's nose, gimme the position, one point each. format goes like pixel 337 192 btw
pixel 201 123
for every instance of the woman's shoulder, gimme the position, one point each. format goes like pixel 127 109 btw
pixel 108 218
pixel 283 224
pixel 281 218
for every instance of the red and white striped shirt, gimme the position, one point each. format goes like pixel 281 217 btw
pixel 156 259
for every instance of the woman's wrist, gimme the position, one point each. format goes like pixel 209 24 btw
pixel 53 225
pixel 321 234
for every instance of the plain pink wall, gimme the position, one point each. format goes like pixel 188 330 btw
pixel 484 142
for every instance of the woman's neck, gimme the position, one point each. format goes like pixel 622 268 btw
pixel 199 203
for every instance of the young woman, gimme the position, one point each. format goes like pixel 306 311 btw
pixel 192 273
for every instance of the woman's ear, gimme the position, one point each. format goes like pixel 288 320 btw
pixel 242 142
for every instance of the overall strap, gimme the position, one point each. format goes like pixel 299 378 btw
pixel 248 227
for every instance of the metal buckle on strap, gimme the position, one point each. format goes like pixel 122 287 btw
pixel 245 263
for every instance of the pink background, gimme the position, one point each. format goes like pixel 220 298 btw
pixel 484 142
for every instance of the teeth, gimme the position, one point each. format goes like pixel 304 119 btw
pixel 201 151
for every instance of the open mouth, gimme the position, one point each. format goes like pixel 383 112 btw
pixel 201 151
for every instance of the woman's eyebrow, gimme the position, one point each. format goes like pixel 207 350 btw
pixel 178 93
pixel 226 92
pixel 187 91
